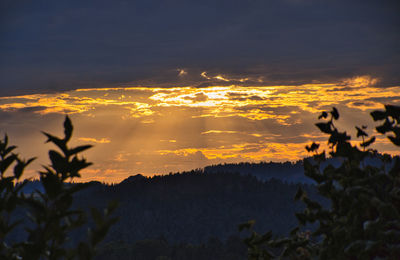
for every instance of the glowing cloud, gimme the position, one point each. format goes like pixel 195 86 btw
pixel 219 77
pixel 158 130
pixel 182 72
pixel 94 140
pixel 218 132
pixel 204 75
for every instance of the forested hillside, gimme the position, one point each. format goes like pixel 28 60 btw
pixel 194 206
pixel 190 213
pixel 291 172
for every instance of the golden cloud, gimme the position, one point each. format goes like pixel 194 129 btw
pixel 94 140
pixel 255 103
pixel 168 128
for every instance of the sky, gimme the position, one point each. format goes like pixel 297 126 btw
pixel 164 86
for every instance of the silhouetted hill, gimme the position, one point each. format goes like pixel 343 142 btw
pixel 194 206
pixel 291 172
pixel 132 179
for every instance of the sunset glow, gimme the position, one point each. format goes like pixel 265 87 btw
pixel 159 130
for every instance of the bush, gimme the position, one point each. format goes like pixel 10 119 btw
pixel 363 220
pixel 50 217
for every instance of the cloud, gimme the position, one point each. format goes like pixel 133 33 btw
pixel 219 77
pixel 199 97
pixel 155 130
pixel 218 132
pixel 361 81
pixel 94 140
pixel 281 103
pixel 204 75
pixel 182 72
pixel 83 45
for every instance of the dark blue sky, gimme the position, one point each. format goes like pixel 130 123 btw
pixel 60 45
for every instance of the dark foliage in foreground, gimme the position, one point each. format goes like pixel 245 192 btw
pixel 363 221
pixel 47 216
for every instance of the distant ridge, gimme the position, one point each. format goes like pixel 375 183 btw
pixel 133 178
pixel 291 172
pixel 193 206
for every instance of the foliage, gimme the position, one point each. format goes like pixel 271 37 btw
pixel 363 220
pixel 50 217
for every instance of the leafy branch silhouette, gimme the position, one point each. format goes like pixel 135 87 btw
pixel 363 220
pixel 50 217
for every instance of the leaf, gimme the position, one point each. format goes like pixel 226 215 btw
pixel 59 163
pixel 67 128
pixel 20 166
pixel 335 113
pixel 360 132
pixel 18 169
pixel 9 150
pixel 76 165
pixel 325 127
pixel 368 142
pixel 57 141
pixel 394 140
pixel 4 164
pixel 314 146
pixel 386 127
pixel 323 115
pixel 393 111
pixel 79 149
pixel 337 137
pixel 4 144
pixel 378 115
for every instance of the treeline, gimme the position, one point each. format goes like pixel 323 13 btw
pixel 292 172
pixel 194 206
pixel 186 210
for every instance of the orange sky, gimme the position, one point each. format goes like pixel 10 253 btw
pixel 160 130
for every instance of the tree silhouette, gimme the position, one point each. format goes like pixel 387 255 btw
pixel 363 220
pixel 49 217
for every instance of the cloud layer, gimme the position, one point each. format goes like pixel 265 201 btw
pixel 159 130
pixel 53 46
